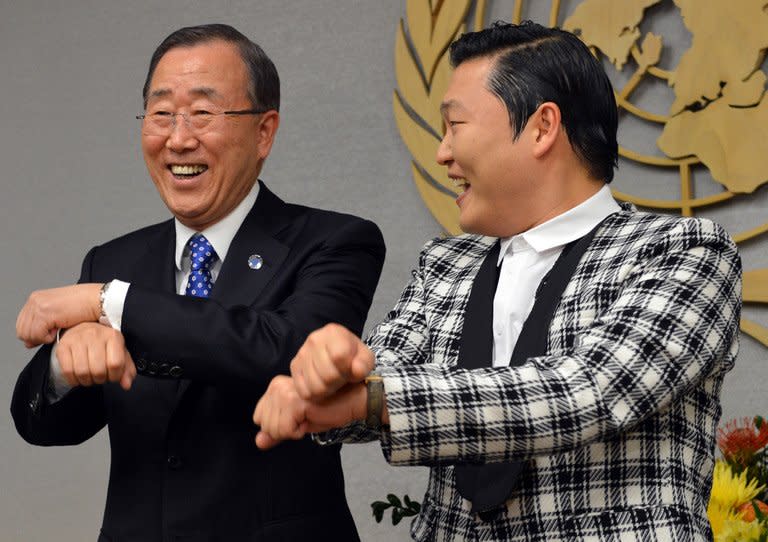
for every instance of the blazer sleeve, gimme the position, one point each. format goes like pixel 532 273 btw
pixel 402 338
pixel 673 324
pixel 74 418
pixel 247 346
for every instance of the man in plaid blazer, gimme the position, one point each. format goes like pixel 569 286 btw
pixel 608 432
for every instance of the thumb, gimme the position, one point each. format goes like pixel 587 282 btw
pixel 362 364
pixel 264 441
pixel 51 336
pixel 129 372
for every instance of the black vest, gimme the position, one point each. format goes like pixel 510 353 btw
pixel 488 486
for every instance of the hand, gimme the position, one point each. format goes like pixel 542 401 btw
pixel 282 414
pixel 47 311
pixel 330 358
pixel 91 353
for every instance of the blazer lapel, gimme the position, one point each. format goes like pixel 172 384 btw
pixel 155 268
pixel 238 283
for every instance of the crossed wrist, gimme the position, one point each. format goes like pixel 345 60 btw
pixel 111 302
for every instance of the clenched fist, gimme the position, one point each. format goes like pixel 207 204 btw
pixel 91 353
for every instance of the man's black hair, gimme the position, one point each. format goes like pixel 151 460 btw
pixel 535 64
pixel 264 90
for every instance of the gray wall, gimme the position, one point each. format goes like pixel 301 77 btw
pixel 72 175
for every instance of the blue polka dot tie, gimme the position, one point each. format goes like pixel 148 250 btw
pixel 203 256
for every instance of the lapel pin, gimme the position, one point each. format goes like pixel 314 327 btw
pixel 255 261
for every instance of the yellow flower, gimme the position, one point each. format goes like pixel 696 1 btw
pixel 730 490
pixel 739 531
pixel 719 515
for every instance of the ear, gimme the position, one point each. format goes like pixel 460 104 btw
pixel 267 129
pixel 546 128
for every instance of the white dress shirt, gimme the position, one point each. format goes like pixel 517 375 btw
pixel 220 236
pixel 525 259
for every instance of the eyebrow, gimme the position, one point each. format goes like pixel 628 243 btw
pixel 450 104
pixel 205 92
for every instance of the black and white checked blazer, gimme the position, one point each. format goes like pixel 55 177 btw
pixel 617 422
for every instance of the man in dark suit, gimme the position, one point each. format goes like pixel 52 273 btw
pixel 175 377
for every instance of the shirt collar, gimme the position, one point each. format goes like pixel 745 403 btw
pixel 220 235
pixel 564 228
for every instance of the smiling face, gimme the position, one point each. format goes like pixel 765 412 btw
pixel 202 176
pixel 494 170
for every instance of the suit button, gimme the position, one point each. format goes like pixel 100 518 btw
pixel 174 462
pixel 176 371
pixel 34 403
pixel 141 364
pixel 152 368
pixel 163 369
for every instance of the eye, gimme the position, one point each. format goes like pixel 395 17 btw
pixel 161 113
pixel 201 113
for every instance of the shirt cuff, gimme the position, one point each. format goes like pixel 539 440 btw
pixel 114 301
pixel 57 386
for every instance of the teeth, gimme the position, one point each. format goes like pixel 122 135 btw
pixel 187 170
pixel 460 183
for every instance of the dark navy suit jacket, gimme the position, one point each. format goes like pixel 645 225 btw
pixel 184 464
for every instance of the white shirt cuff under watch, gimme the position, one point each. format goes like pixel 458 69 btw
pixel 112 303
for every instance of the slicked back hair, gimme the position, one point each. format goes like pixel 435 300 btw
pixel 534 64
pixel 264 88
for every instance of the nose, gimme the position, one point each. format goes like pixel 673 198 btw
pixel 444 153
pixel 181 137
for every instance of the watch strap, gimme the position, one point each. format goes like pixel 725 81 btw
pixel 375 401
pixel 103 318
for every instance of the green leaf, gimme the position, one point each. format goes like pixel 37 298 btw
pixel 415 506
pixel 759 515
pixel 396 516
pixel 378 509
pixel 394 500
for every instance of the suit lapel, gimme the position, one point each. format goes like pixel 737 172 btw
pixel 155 268
pixel 237 283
